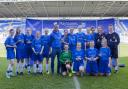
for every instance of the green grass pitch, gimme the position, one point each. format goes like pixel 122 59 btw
pixel 115 81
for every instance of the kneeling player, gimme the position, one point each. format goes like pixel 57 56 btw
pixel 105 59
pixel 92 56
pixel 65 59
pixel 78 60
pixel 37 48
pixel 10 45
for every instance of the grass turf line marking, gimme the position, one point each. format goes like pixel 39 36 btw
pixel 76 82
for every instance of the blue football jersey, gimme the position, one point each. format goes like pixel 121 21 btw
pixel 91 53
pixel 72 41
pixel 19 37
pixel 37 44
pixel 89 37
pixel 28 39
pixel 80 37
pixel 78 54
pixel 105 53
pixel 9 41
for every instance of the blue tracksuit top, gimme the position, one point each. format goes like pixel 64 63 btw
pixel 55 39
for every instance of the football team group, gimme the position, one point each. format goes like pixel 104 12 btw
pixel 90 52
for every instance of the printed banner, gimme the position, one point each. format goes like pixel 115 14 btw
pixel 35 25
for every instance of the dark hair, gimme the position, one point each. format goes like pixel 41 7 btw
pixel 11 30
pixel 18 28
pixel 100 26
pixel 92 27
pixel 110 25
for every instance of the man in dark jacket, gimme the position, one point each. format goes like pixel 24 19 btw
pixel 99 36
pixel 113 42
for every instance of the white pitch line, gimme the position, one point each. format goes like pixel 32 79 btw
pixel 76 82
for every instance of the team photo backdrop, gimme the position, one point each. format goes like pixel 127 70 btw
pixel 121 26
pixel 67 24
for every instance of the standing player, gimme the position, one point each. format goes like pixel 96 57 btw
pixel 78 60
pixel 105 59
pixel 19 40
pixel 55 41
pixel 66 61
pixel 37 47
pixel 10 45
pixel 72 40
pixel 92 56
pixel 89 37
pixel 93 33
pixel 64 39
pixel 28 49
pixel 113 42
pixel 99 36
pixel 46 50
pixel 80 36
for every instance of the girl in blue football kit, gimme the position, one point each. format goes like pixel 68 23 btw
pixel 46 50
pixel 28 50
pixel 89 37
pixel 78 60
pixel 64 39
pixel 91 56
pixel 105 59
pixel 72 40
pixel 10 45
pixel 19 40
pixel 81 37
pixel 37 47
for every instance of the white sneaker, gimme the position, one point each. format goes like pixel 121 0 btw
pixel 7 75
pixel 47 72
pixel 29 72
pixel 109 74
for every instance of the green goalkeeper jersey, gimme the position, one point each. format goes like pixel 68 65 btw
pixel 66 57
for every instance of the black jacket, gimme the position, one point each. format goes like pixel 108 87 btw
pixel 113 40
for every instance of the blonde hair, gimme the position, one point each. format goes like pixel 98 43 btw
pixel 104 40
pixel 78 43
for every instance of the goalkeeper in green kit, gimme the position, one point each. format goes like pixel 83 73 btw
pixel 66 61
